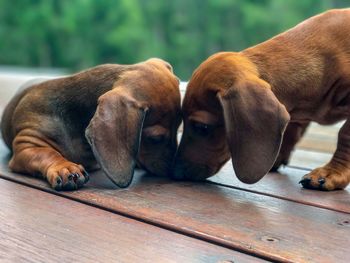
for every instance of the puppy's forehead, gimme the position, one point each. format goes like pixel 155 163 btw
pixel 201 95
pixel 200 100
pixel 221 71
pixel 160 88
pixel 151 81
pixel 218 73
pixel 154 84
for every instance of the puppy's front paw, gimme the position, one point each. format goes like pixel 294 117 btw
pixel 326 178
pixel 67 176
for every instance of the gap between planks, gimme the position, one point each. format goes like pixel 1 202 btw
pixel 129 202
pixel 57 226
pixel 150 222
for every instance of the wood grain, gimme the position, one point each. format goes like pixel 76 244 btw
pixel 41 227
pixel 285 185
pixel 309 160
pixel 257 224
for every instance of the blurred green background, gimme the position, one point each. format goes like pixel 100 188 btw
pixel 76 34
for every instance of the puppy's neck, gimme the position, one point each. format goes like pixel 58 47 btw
pixel 265 69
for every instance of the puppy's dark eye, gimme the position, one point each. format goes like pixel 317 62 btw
pixel 156 139
pixel 201 128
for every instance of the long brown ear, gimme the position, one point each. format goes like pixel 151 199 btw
pixel 114 134
pixel 255 122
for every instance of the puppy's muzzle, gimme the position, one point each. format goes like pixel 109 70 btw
pixel 185 170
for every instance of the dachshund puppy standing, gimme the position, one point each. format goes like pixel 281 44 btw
pixel 110 116
pixel 255 105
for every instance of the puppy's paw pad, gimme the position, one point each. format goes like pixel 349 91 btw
pixel 67 176
pixel 325 178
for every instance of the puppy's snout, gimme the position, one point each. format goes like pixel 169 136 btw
pixel 161 168
pixel 189 171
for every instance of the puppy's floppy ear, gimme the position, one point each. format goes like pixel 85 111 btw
pixel 255 122
pixel 114 134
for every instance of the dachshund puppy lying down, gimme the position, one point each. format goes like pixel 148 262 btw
pixel 255 105
pixel 110 116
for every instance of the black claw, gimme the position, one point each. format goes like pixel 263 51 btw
pixel 305 182
pixel 86 175
pixel 321 181
pixel 70 177
pixel 59 180
pixel 75 177
pixel 58 185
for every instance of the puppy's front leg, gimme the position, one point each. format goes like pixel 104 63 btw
pixel 34 156
pixel 335 174
pixel 292 135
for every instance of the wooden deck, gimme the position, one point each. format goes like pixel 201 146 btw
pixel 159 220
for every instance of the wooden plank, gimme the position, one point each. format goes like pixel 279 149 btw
pixel 40 227
pixel 256 224
pixel 309 159
pixel 285 185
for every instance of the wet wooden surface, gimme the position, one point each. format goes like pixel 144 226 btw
pixel 238 219
pixel 41 227
pixel 285 185
pixel 159 220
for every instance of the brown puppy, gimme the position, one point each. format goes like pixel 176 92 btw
pixel 95 118
pixel 245 105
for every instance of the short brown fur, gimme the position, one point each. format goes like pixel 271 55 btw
pixel 247 105
pixel 110 116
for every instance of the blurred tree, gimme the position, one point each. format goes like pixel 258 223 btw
pixel 82 33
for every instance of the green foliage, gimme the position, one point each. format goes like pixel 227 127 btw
pixel 82 33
